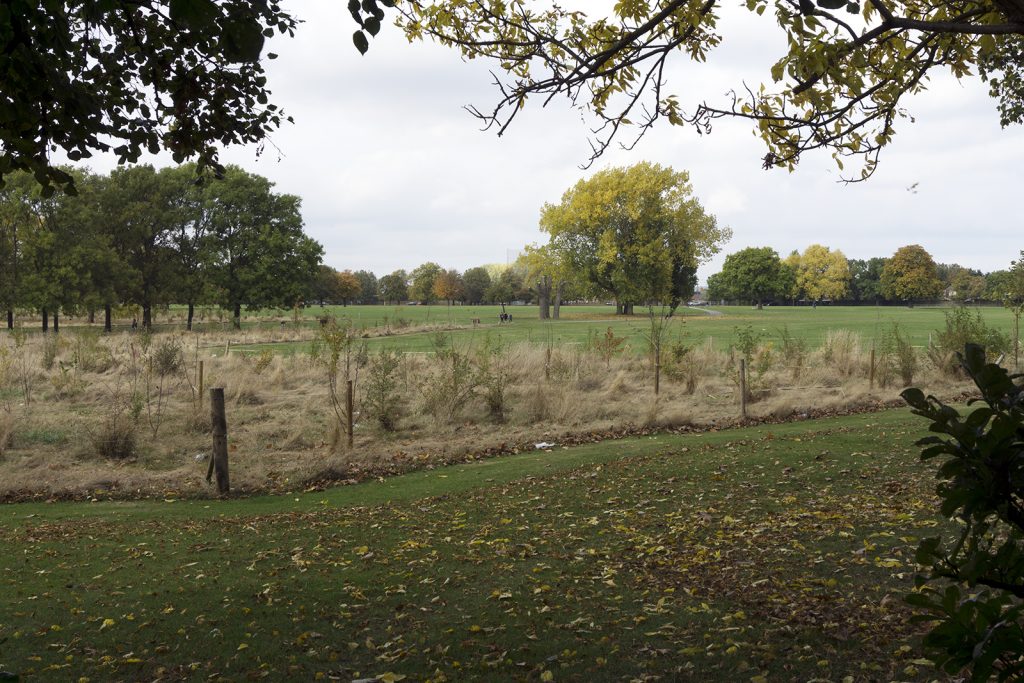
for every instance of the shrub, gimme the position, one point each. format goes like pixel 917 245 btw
pixel 606 345
pixel 963 327
pixel 492 377
pixel 747 342
pixel 449 385
pixel 51 347
pixel 166 357
pixel 381 401
pixel 263 361
pixel 896 357
pixel 89 353
pixel 973 588
pixel 115 438
pixel 793 350
pixel 681 365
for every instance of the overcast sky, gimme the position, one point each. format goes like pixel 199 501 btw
pixel 393 172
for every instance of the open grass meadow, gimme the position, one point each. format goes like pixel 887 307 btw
pixel 774 553
pixel 414 328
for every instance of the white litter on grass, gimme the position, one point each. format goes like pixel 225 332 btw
pixel 201 457
pixel 544 445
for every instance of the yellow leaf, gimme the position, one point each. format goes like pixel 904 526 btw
pixel 242 646
pixel 107 623
pixel 547 676
pixel 391 677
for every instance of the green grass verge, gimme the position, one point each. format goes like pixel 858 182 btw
pixel 778 552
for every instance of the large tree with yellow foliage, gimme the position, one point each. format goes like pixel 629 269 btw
pixel 636 233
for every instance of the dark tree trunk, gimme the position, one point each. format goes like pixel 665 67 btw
pixel 627 308
pixel 92 315
pixel 147 316
pixel 544 296
pixel 760 305
pixel 619 309
pixel 191 314
pixel 46 320
pixel 106 318
pixel 238 317
pixel 56 321
pixel 10 319
pixel 558 297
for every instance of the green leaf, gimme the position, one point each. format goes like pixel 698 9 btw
pixel 196 15
pixel 243 40
pixel 361 43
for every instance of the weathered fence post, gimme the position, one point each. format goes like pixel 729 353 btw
pixel 349 403
pixel 219 422
pixel 871 372
pixel 743 388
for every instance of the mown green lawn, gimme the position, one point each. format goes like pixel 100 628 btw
pixel 578 323
pixel 771 553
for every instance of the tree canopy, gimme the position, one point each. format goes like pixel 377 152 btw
pixel 910 274
pixel 754 273
pixel 130 76
pixel 839 85
pixel 636 233
pixel 821 273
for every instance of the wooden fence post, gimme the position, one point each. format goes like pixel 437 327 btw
pixel 871 372
pixel 349 403
pixel 743 388
pixel 219 422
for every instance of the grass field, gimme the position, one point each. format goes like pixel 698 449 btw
pixel 580 322
pixel 773 553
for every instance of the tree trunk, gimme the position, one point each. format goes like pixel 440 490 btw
pixel 237 316
pixel 191 314
pixel 544 296
pixel 92 316
pixel 46 320
pixel 10 319
pixel 618 308
pixel 56 321
pixel 147 316
pixel 760 305
pixel 558 297
pixel 106 318
pixel 627 308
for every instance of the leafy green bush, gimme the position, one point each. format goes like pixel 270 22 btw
pixel 381 401
pixel 973 589
pixel 964 327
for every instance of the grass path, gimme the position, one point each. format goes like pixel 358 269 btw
pixel 770 553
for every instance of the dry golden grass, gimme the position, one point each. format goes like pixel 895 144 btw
pixel 61 400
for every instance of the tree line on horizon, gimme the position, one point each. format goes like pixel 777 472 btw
pixel 758 275
pixel 145 238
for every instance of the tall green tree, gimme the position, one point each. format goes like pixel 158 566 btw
pixel 421 282
pixel 911 275
pixel 475 282
pixel 637 233
pixel 394 287
pixel 259 255
pixel 866 279
pixel 142 208
pixel 367 287
pixel 755 274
